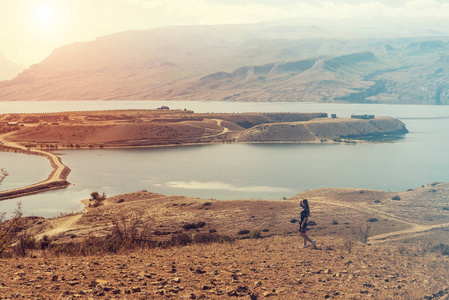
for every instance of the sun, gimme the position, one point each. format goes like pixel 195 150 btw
pixel 45 14
pixel 46 18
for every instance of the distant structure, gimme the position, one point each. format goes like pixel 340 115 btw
pixel 163 108
pixel 333 116
pixel 364 117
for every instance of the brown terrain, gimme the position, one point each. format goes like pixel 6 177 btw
pixel 371 245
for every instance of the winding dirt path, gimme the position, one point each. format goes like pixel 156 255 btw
pixel 56 179
pixel 413 231
pixel 58 227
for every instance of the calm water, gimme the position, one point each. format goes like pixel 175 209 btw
pixel 264 171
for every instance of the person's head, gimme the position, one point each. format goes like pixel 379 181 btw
pixel 304 203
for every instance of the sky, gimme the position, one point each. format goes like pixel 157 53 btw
pixel 31 29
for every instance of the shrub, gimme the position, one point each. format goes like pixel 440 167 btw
pixel 311 223
pixel 361 233
pixel 396 198
pixel 372 220
pixel 242 232
pixel 445 208
pixel 209 238
pixel 256 234
pixel 181 239
pixel 376 201
pixel 265 230
pixel 293 220
pixel 10 230
pixel 190 226
pixel 441 248
pixel 334 222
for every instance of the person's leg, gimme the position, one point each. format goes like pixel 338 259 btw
pixel 306 238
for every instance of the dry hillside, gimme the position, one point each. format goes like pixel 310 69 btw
pixel 403 257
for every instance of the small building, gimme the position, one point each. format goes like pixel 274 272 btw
pixel 13 123
pixel 363 117
pixel 163 108
pixel 333 116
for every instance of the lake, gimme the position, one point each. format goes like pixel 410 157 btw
pixel 237 171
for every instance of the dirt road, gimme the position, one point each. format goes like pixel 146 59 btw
pixel 56 179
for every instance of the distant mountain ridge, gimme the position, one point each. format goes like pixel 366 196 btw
pixel 255 62
pixel 9 69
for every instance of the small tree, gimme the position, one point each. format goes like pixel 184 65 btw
pixel 97 199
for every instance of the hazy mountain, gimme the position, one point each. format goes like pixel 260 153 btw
pixel 8 69
pixel 274 61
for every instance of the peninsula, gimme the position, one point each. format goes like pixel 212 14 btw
pixel 163 127
pixel 39 133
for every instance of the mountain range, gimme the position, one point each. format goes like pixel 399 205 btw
pixel 273 61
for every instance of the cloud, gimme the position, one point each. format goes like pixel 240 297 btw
pixel 216 185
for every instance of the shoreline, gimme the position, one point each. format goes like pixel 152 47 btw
pixel 52 183
pixel 57 179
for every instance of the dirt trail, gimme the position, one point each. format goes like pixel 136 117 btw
pixel 414 230
pixel 67 225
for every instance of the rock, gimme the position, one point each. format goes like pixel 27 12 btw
pixel 54 278
pixel 176 279
pixel 253 296
pixel 268 294
pixel 257 284
pixel 135 289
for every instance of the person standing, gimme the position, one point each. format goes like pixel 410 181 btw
pixel 305 213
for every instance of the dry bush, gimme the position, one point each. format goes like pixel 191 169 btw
pixel 184 239
pixel 256 234
pixel 10 231
pixel 131 231
pixel 361 233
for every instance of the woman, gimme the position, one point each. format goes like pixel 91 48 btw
pixel 305 213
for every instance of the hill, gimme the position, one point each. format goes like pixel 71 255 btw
pixel 371 244
pixel 133 128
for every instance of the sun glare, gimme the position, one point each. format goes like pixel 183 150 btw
pixel 45 18
pixel 45 14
